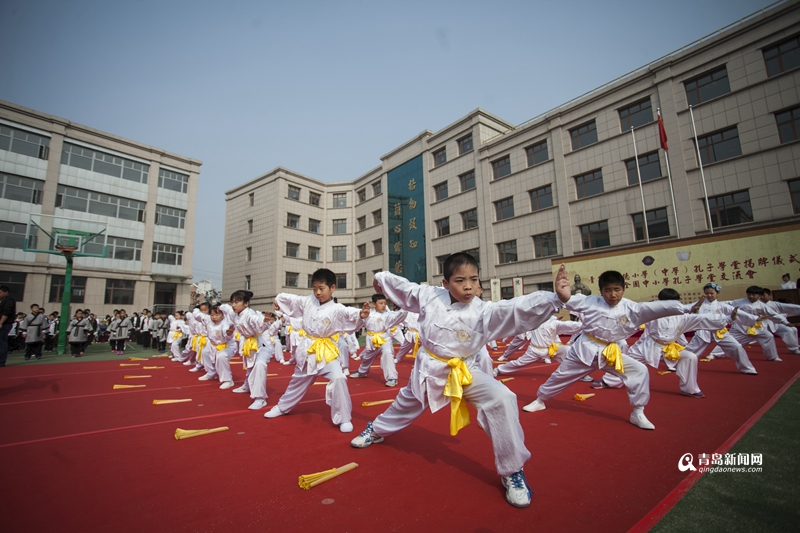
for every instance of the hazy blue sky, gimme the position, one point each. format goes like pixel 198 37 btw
pixel 323 88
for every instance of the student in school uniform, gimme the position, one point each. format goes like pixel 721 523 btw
pixel 379 341
pixel 745 335
pixel 220 348
pixel 545 345
pixel 177 325
pixel 317 353
pixel 34 326
pixel 77 330
pixel 516 344
pixel 119 330
pixel 410 344
pixel 779 324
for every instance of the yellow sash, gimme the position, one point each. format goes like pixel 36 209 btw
pixel 458 377
pixel 721 333
pixel 671 350
pixel 753 330
pixel 416 342
pixel 289 329
pixel 194 342
pixel 611 352
pixel 177 335
pixel 237 336
pixel 377 339
pixel 551 350
pixel 325 348
pixel 250 345
pixel 221 347
pixel 393 330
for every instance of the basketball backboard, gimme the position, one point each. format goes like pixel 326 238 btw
pixel 50 234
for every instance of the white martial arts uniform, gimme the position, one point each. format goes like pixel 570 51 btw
pixel 723 339
pixel 256 346
pixel 410 344
pixel 545 344
pixel 220 347
pixel 780 326
pixel 317 353
pixel 177 332
pixel 457 330
pixel 379 341
pixel 296 332
pixel 516 343
pixel 746 335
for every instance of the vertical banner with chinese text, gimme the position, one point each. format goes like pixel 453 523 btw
pixel 407 221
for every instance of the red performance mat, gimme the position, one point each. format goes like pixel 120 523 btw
pixel 79 456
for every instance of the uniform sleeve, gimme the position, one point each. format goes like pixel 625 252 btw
pixel 518 315
pixel 577 304
pixel 787 309
pixel 568 327
pixel 396 318
pixel 706 321
pixel 291 304
pixel 647 311
pixel 228 312
pixel 400 291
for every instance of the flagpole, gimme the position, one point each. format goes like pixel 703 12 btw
pixel 641 189
pixel 669 179
pixel 702 176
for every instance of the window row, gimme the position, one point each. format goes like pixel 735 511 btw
pixel 21 189
pixel 292 279
pixel 464 145
pixel 23 142
pixel 117 207
pixel 117 291
pixel 362 193
pixel 293 193
pixel 79 157
pixel 338 253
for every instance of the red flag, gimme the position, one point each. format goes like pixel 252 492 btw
pixel 662 133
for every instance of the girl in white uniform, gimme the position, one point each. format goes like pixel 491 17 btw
pixel 220 347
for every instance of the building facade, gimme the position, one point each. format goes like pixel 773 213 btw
pixel 144 196
pixel 587 180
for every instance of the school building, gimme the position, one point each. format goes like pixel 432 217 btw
pixel 588 183
pixel 144 197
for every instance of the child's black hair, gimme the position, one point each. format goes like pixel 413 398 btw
pixel 207 304
pixel 377 297
pixel 766 291
pixel 610 277
pixel 325 276
pixel 454 261
pixel 215 308
pixel 241 296
pixel 754 289
pixel 669 294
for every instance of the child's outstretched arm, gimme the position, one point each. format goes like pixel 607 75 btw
pixel 562 284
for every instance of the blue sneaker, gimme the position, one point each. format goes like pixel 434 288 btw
pixel 366 438
pixel 518 492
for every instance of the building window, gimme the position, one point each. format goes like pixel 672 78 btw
pixel 783 56
pixel 313 253
pixel 476 254
pixel 57 289
pixel 649 168
pixel 171 181
pixel 119 248
pixel 313 198
pixel 440 191
pixel 340 253
pixel 313 225
pixel 167 254
pixel 362 279
pixel 291 279
pixel 788 125
pixel 12 234
pixel 439 157
pixel 501 167
pixel 595 235
pixel 541 198
pixel 118 292
pixel 583 135
pixel 657 224
pixel 362 251
pixel 730 209
pixel 469 219
pixel 506 293
pixel 247 283
pixel 339 226
pixel 507 252
pixel 545 245
pixel 635 115
pixel 100 204
pixel 443 227
pixel 362 195
pixel 294 193
pixel 504 208
pixel 546 286
pixel 22 142
pixel 21 189
pixel 440 262
pixel 310 283
pixel 252 199
pixel 467 181
pixel 362 222
pixel 250 226
pixel 377 246
pixel 292 221
pixel 376 188
pixel 794 191
pixel 341 281
pixel 292 249
pixel 15 281
pixel 465 144
pixel 719 145
pixel 589 184
pixel 110 165
pixel 708 86
pixel 377 218
pixel 169 216
pixel 340 199
pixel 248 254
pixel 537 153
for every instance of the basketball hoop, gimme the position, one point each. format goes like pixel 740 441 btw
pixel 65 249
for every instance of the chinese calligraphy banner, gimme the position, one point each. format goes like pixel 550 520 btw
pixel 407 221
pixel 735 261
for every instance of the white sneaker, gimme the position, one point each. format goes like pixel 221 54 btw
pixel 547 361
pixel 778 359
pixel 258 403
pixel 242 389
pixel 587 379
pixel 795 352
pixel 502 358
pixel 195 369
pixel 710 357
pixel 535 405
pixel 274 413
pixel 206 377
pixel 518 493
pixel 188 363
pixel 638 419
pixel 285 363
pixel 347 427
pixel 346 372
pixel 496 371
pixel 226 385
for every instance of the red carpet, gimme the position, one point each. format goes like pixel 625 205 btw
pixel 79 456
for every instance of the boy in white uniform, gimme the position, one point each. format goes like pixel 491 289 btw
pixel 317 353
pixel 545 344
pixel 410 344
pixel 608 320
pixel 778 323
pixel 516 343
pixel 379 341
pixel 454 329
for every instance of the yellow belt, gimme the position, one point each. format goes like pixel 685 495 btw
pixel 177 335
pixel 325 348
pixel 458 377
pixel 753 330
pixel 221 347
pixel 672 350
pixel 201 343
pixel 611 352
pixel 377 339
pixel 551 350
pixel 250 345
pixel 237 336
pixel 721 333
pixel 416 342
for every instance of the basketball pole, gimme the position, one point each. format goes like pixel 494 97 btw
pixel 65 301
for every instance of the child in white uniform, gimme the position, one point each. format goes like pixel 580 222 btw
pixel 454 329
pixel 778 323
pixel 744 335
pixel 317 353
pixel 410 344
pixel 220 347
pixel 379 341
pixel 545 344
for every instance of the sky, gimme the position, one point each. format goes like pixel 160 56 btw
pixel 321 87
